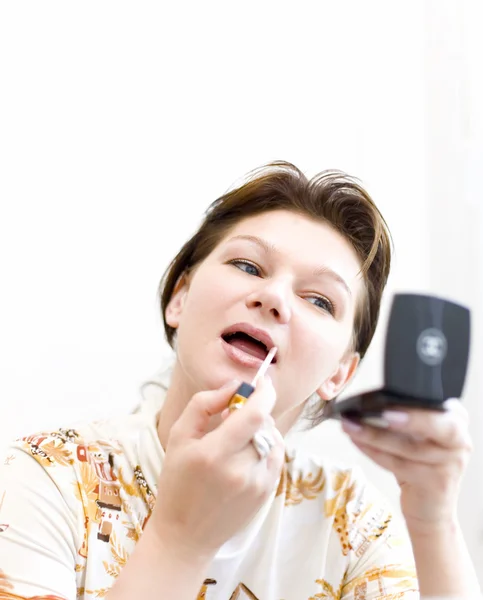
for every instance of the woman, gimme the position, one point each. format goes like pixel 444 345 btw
pixel 175 501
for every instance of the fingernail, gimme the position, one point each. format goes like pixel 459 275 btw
pixel 395 417
pixel 230 384
pixel 450 403
pixel 351 426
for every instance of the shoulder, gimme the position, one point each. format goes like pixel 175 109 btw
pixel 63 448
pixel 70 455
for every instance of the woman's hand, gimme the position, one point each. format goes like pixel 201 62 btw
pixel 428 452
pixel 213 482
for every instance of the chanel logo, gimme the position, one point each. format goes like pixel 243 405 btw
pixel 432 347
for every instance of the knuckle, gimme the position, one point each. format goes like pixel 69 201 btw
pixel 270 422
pixel 198 400
pixel 453 429
pixel 255 417
pixel 237 481
pixel 455 422
pixel 461 460
pixel 467 445
pixel 202 458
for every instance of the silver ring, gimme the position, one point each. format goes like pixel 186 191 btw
pixel 263 443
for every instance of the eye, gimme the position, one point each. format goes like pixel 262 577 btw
pixel 246 266
pixel 323 303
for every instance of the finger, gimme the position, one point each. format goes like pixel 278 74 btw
pixel 270 468
pixel 407 470
pixel 238 430
pixel 269 435
pixel 448 429
pixel 228 411
pixel 276 458
pixel 395 464
pixel 399 445
pixel 195 419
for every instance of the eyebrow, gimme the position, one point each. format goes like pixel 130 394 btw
pixel 272 249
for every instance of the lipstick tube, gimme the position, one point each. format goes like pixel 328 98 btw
pixel 244 391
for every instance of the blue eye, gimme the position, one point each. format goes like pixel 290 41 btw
pixel 323 303
pixel 246 267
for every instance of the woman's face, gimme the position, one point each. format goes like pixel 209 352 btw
pixel 282 277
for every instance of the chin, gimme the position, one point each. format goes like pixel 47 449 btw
pixel 208 368
pixel 197 372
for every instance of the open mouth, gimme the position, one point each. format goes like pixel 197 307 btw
pixel 248 344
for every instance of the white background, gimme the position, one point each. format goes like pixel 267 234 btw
pixel 120 123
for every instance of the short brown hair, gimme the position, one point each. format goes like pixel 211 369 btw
pixel 332 197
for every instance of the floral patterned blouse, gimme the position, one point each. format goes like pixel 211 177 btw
pixel 74 503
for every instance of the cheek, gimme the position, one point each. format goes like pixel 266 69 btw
pixel 207 297
pixel 319 350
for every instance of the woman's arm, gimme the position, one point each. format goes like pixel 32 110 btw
pixel 443 563
pixel 211 485
pixel 428 451
pixel 156 571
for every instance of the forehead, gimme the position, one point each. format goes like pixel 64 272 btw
pixel 300 238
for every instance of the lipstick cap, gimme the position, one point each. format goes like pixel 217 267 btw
pixel 244 391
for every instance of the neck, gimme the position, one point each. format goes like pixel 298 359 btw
pixel 179 394
pixel 287 420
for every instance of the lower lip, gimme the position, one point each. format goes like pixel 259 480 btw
pixel 240 357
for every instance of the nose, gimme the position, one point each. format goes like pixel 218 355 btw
pixel 272 297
